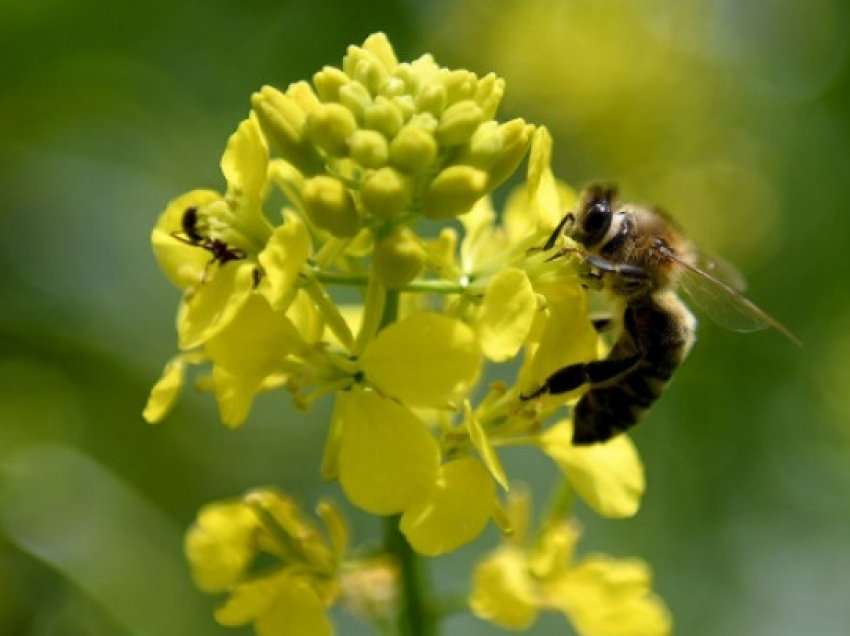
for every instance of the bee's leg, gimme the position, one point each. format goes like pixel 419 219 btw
pixel 206 270
pixel 569 217
pixel 593 373
pixel 630 279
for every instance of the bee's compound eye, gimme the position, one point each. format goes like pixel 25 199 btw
pixel 597 218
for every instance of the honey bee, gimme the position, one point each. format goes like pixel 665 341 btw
pixel 221 252
pixel 641 256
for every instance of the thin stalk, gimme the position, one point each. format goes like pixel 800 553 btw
pixel 416 616
pixel 362 280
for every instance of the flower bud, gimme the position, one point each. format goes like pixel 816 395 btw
pixel 454 191
pixel 458 122
pixel 516 137
pixel 379 46
pixel 368 148
pixel 328 81
pixel 329 126
pixel 384 116
pixel 460 85
pixel 405 105
pixel 386 193
pixel 355 98
pixel 488 94
pixel 303 95
pixel 484 146
pixel 413 149
pixel 328 204
pixel 399 257
pixel 283 123
pixel 366 68
pixel 431 99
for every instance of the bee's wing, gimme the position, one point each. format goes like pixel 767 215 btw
pixel 722 270
pixel 723 301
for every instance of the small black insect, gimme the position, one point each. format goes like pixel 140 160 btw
pixel 221 252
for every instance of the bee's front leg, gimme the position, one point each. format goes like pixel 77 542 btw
pixel 628 280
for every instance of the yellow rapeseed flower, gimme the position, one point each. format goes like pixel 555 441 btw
pixel 599 595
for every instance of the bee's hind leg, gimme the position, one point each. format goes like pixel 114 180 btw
pixel 575 375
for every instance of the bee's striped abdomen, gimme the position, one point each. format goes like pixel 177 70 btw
pixel 662 329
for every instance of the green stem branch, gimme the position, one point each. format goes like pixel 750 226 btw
pixel 362 280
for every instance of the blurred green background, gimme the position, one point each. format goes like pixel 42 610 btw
pixel 736 116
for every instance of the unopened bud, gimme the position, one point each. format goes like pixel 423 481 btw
pixel 458 122
pixel 386 193
pixel 283 121
pixel 399 258
pixel 303 95
pixel 516 137
pixel 454 191
pixel 355 98
pixel 329 205
pixel 405 105
pixel 488 94
pixel 368 148
pixel 413 149
pixel 328 81
pixel 329 126
pixel 384 116
pixel 431 99
pixel 379 46
pixel 366 68
pixel 460 85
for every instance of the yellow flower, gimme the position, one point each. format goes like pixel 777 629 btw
pixel 228 538
pixel 599 595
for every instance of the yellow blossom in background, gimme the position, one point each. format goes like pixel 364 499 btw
pixel 599 595
pixel 228 537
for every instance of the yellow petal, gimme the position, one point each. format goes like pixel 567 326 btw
pixel 553 553
pixel 610 597
pixel 609 477
pixel 387 458
pixel 455 512
pixel 282 260
pixel 506 314
pixel 424 360
pixel 297 611
pixel 485 450
pixel 542 189
pixel 214 303
pixel 567 337
pixel 164 393
pixel 255 340
pixel 245 161
pixel 220 544
pixel 182 264
pixel 306 318
pixel 251 599
pixel 503 592
pixel 234 395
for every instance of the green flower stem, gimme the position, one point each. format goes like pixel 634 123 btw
pixel 362 280
pixel 560 505
pixel 416 616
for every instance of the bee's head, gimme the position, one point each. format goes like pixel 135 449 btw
pixel 594 215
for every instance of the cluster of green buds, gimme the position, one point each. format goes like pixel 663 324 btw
pixel 358 159
pixel 378 143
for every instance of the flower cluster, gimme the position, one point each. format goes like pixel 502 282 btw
pixel 358 158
